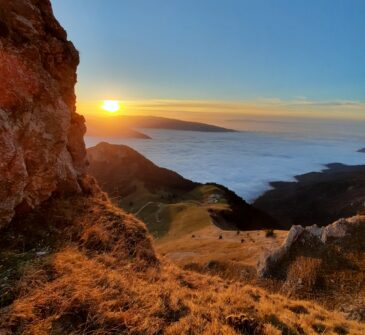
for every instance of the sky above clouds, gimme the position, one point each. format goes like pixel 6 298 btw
pixel 300 55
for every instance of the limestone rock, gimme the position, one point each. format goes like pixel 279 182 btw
pixel 301 237
pixel 41 136
pixel 339 229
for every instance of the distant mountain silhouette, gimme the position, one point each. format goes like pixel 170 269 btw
pixel 123 126
pixel 317 197
pixel 167 123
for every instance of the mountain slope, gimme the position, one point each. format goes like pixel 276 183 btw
pixel 318 197
pixel 118 166
pixel 166 200
pixel 99 274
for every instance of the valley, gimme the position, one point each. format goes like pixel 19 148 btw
pixel 206 228
pixel 102 241
pixel 168 203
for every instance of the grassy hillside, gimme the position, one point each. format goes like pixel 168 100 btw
pixel 211 244
pixel 92 270
pixel 193 227
pixel 168 203
pixel 173 215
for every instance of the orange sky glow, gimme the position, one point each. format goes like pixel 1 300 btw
pixel 206 110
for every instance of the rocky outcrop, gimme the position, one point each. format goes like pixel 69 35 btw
pixel 41 136
pixel 314 239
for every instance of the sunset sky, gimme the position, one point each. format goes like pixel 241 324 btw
pixel 273 57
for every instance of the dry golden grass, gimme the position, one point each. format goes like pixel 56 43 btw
pixel 244 248
pixel 90 296
pixel 304 274
pixel 101 276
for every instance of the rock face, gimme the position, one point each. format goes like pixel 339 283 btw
pixel 344 232
pixel 41 136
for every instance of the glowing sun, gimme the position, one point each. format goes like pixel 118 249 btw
pixel 111 106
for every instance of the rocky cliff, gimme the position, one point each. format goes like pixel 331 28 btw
pixel 41 136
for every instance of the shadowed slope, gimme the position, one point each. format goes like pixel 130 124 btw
pixel 318 197
pixel 118 167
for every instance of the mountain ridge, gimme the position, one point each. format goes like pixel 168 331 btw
pixel 125 125
pixel 317 197
pixel 118 169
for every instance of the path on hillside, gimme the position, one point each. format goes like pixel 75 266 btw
pixel 161 204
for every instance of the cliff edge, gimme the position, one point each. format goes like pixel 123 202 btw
pixel 41 136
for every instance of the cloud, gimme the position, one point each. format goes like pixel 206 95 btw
pixel 273 107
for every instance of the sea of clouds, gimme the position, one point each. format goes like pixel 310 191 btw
pixel 245 162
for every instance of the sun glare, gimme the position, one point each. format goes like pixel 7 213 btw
pixel 111 106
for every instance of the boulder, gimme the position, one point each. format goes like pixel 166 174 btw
pixel 304 238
